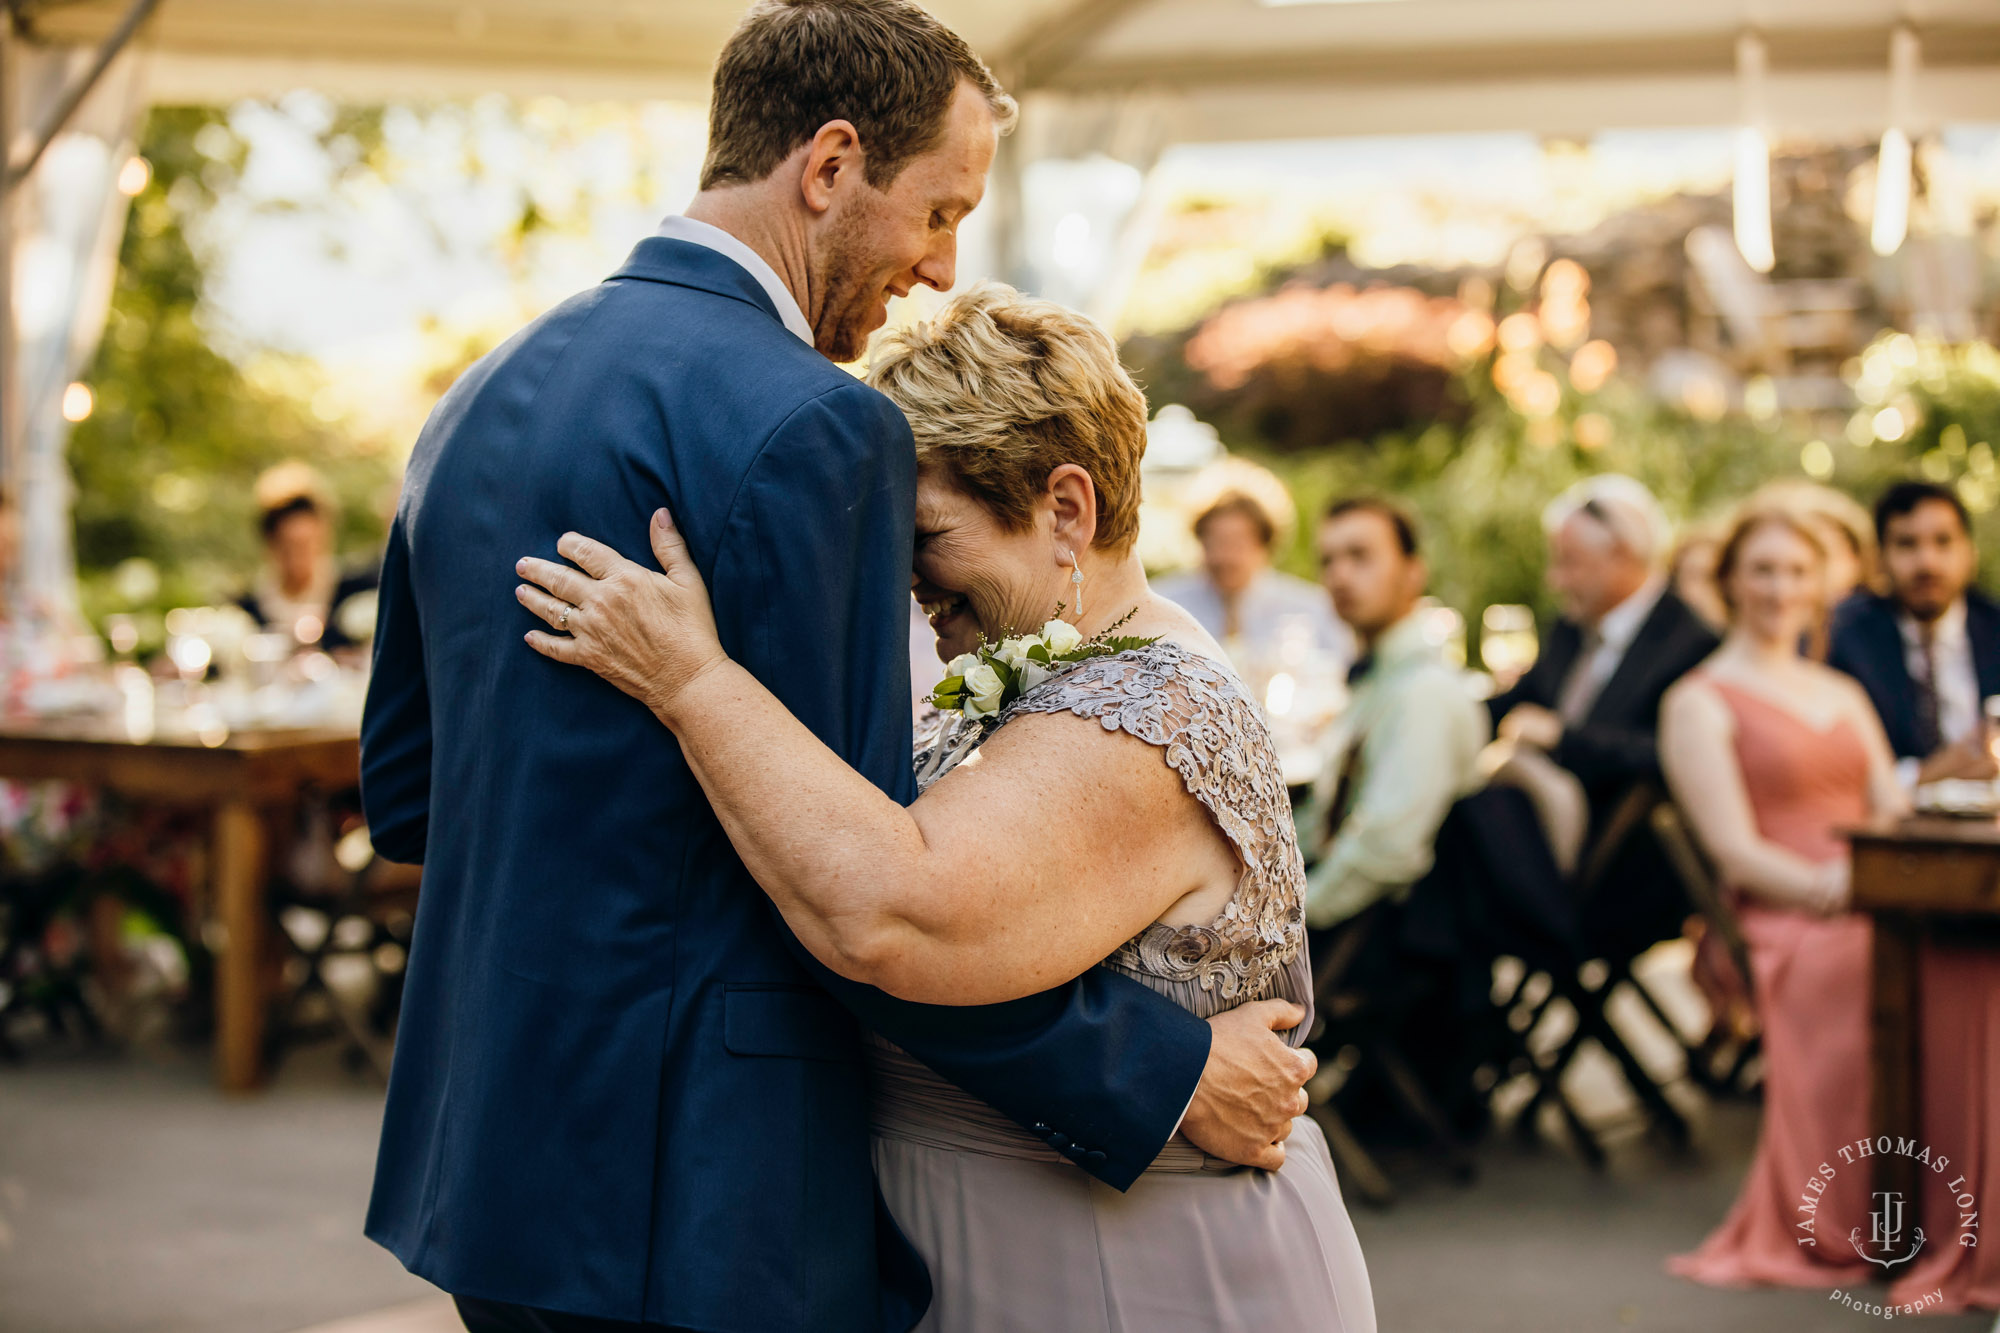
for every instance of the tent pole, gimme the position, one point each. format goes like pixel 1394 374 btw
pixel 67 102
pixel 12 420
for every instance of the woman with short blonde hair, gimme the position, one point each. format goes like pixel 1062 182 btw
pixel 1001 389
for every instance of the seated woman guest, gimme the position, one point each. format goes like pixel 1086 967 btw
pixel 1261 615
pixel 302 591
pixel 1770 755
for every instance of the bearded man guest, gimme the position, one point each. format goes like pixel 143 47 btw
pixel 1928 649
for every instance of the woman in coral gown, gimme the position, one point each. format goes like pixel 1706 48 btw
pixel 1770 755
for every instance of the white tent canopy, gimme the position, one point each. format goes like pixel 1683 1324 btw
pixel 1232 69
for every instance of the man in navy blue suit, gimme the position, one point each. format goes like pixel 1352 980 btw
pixel 1927 651
pixel 623 1096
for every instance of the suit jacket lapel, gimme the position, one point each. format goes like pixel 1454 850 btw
pixel 1565 640
pixel 1641 653
pixel 1896 694
pixel 1982 628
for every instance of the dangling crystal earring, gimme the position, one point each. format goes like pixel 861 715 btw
pixel 1076 582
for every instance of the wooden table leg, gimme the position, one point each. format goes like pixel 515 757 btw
pixel 1898 1041
pixel 238 865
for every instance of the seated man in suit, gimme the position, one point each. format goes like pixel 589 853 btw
pixel 1591 702
pixel 1927 651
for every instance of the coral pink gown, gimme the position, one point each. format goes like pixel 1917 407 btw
pixel 1811 981
pixel 1805 784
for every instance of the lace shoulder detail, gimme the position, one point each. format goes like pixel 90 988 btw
pixel 1215 738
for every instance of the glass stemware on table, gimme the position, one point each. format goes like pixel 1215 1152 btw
pixel 219 673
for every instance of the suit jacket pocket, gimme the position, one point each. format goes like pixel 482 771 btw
pixel 799 1022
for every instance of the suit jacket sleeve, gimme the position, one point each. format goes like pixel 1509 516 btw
pixel 396 724
pixel 811 584
pixel 1602 752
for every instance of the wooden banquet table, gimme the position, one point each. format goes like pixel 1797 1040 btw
pixel 248 783
pixel 1920 879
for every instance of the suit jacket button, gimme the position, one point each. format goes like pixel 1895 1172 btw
pixel 1041 1128
pixel 1058 1140
pixel 1094 1157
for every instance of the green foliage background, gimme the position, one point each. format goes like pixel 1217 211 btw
pixel 165 466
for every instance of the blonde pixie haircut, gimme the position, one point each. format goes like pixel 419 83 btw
pixel 1002 389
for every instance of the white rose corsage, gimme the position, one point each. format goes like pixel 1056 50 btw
pixel 984 681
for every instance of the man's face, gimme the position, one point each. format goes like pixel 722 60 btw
pixel 874 244
pixel 1589 572
pixel 1929 557
pixel 1232 550
pixel 1362 564
pixel 298 545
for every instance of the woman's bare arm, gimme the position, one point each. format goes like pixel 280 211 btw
pixel 1698 752
pixel 1027 865
pixel 1886 797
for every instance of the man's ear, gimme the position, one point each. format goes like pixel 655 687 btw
pixel 1419 576
pixel 834 152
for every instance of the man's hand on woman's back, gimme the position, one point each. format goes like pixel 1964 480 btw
pixel 1252 1087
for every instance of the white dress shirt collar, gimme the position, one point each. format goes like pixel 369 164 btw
pixel 1947 631
pixel 677 227
pixel 1621 623
pixel 1404 639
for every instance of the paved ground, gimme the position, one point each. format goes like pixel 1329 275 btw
pixel 133 1199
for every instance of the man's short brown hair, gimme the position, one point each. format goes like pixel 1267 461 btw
pixel 886 66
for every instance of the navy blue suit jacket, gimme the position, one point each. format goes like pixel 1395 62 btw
pixel 620 1087
pixel 1866 642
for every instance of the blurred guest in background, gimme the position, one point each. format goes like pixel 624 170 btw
pixel 1927 651
pixel 1691 574
pixel 1582 724
pixel 302 591
pixel 1257 613
pixel 1843 527
pixel 1770 755
pixel 1409 743
pixel 1845 531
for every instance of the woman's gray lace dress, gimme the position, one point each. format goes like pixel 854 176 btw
pixel 1019 1240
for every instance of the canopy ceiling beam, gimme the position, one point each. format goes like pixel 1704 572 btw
pixel 1054 43
pixel 1792 51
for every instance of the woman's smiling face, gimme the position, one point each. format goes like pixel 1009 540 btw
pixel 976 577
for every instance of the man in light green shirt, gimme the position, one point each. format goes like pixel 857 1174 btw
pixel 1408 745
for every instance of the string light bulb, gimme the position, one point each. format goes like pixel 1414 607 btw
pixel 1751 191
pixel 1891 222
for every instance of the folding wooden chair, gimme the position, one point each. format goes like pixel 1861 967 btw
pixel 1698 877
pixel 1588 991
pixel 367 915
pixel 1365 1017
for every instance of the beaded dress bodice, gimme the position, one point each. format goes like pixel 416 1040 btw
pixel 1215 738
pixel 1212 735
